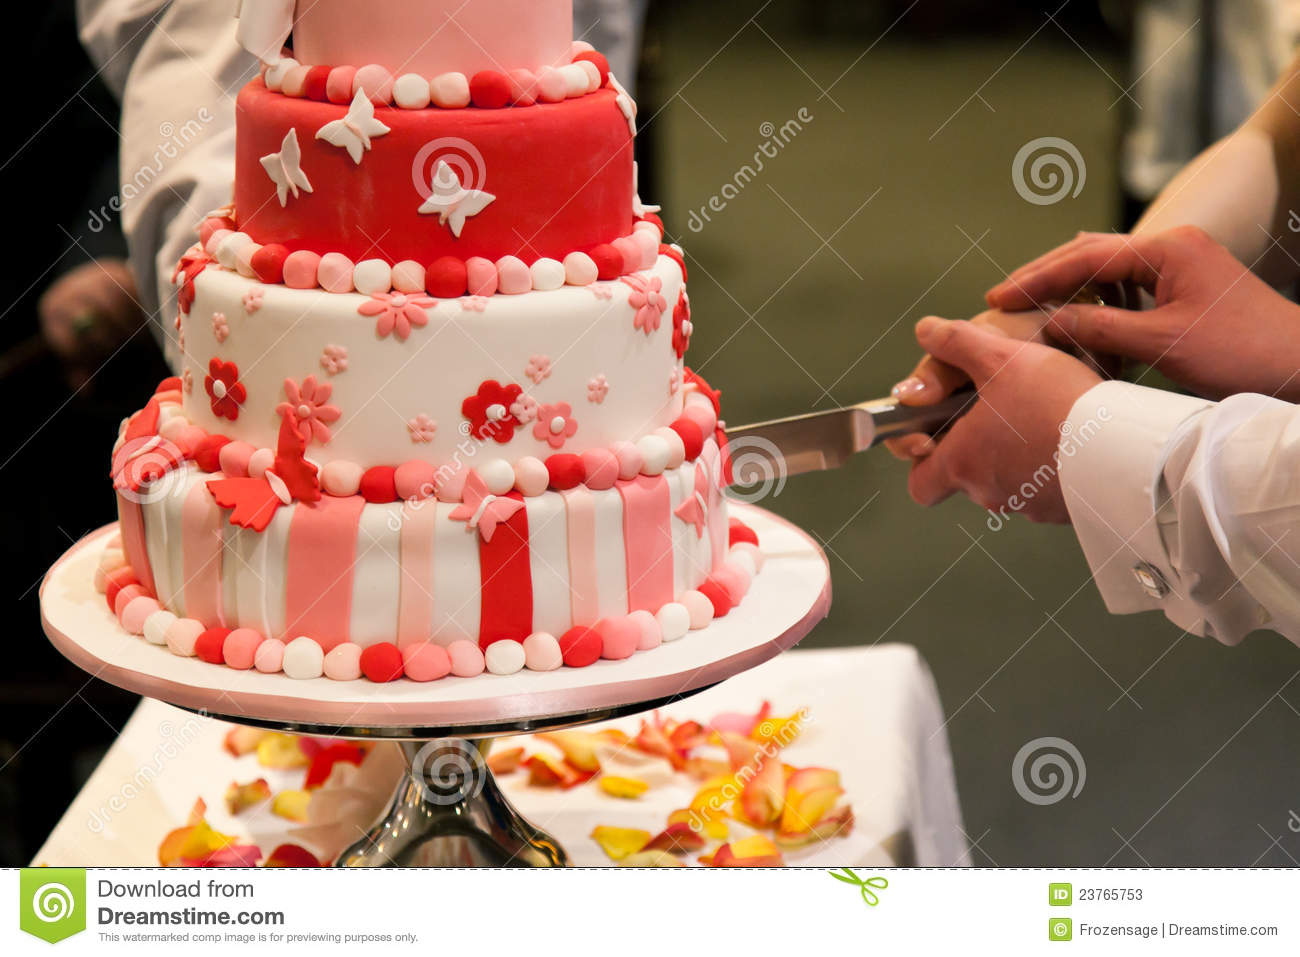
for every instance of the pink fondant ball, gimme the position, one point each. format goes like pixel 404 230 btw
pixel 408 277
pixel 240 648
pixel 698 607
pixel 376 81
pixel 124 597
pixel 334 273
pixel 269 658
pixel 481 276
pixel 136 611
pixel 602 468
pixel 301 268
pixel 619 637
pixel 426 661
pixel 629 460
pixel 338 85
pixel 343 663
pixel 542 652
pixel 466 659
pixel 341 478
pixel 531 476
pixel 181 636
pixel 513 277
pixel 414 480
pixel 234 458
pixel 651 634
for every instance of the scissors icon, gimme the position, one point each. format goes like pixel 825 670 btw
pixel 864 884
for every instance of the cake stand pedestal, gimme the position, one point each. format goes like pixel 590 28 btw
pixel 447 809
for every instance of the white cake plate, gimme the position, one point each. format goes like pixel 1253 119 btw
pixel 448 809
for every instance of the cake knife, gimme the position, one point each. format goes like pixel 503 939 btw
pixel 826 440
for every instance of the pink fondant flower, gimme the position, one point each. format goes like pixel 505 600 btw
pixel 397 312
pixel 555 424
pixel 488 411
pixel 187 380
pixel 602 290
pixel 648 300
pixel 180 340
pixel 253 299
pixel 524 409
pixel 422 428
pixel 474 303
pixel 308 407
pixel 538 368
pixel 220 328
pixel 224 389
pixel 597 389
pixel 674 380
pixel 334 359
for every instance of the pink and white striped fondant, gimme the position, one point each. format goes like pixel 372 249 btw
pixel 344 571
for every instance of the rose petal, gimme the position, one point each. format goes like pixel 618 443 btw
pixel 620 842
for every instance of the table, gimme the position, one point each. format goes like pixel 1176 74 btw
pixel 874 716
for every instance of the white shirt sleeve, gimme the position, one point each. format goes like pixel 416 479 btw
pixel 1188 506
pixel 177 67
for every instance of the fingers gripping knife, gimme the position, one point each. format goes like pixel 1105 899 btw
pixel 826 440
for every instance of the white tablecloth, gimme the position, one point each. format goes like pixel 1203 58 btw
pixel 874 715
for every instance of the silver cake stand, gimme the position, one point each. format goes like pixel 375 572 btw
pixel 447 809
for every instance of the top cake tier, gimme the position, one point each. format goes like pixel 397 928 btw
pixel 414 36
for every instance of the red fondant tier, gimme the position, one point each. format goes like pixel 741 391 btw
pixel 561 174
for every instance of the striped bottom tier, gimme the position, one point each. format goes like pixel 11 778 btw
pixel 346 571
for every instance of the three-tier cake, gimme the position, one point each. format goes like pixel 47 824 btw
pixel 433 416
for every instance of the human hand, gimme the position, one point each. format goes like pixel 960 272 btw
pixel 1007 442
pixel 934 380
pixel 1216 328
pixel 88 313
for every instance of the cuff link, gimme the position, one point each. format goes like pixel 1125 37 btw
pixel 1151 580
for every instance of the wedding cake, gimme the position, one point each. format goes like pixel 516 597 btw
pixel 433 416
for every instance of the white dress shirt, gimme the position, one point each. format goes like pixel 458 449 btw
pixel 1188 506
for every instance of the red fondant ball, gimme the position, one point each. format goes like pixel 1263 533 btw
pixel 718 597
pixel 268 263
pixel 565 471
pixel 382 662
pixel 591 56
pixel 654 218
pixel 608 260
pixel 314 86
pixel 209 645
pixel 738 531
pixel 379 485
pixel 580 647
pixel 208 452
pixel 115 581
pixel 447 278
pixel 172 384
pixel 692 437
pixel 489 90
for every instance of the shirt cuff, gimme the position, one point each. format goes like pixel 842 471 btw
pixel 1112 455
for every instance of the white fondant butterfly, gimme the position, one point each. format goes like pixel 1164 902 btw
pixel 355 130
pixel 285 168
pixel 451 201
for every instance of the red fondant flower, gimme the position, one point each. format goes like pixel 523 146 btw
pixel 397 312
pixel 555 424
pixel 488 411
pixel 648 300
pixel 308 408
pixel 192 263
pixel 682 327
pixel 224 389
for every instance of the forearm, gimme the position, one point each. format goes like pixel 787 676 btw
pixel 1242 189
pixel 1189 507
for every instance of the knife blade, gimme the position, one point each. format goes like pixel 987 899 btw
pixel 826 440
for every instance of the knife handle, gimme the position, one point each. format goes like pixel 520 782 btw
pixel 891 418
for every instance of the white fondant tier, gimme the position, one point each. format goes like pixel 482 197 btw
pixel 344 570
pixel 569 345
